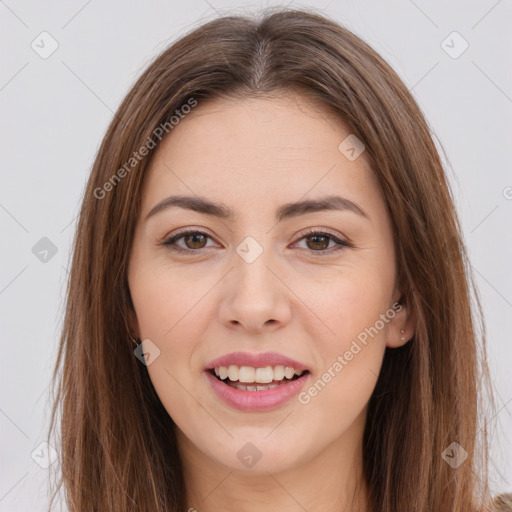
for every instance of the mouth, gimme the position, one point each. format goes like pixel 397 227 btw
pixel 256 379
pixel 256 389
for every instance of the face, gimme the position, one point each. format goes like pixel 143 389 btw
pixel 313 285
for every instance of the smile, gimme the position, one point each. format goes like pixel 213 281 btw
pixel 241 377
pixel 256 389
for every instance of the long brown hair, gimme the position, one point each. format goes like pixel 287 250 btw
pixel 118 446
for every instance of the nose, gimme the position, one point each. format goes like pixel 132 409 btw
pixel 255 298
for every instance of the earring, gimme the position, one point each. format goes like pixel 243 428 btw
pixel 134 340
pixel 402 331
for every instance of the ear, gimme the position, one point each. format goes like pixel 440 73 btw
pixel 404 319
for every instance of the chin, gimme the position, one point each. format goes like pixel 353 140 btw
pixel 258 456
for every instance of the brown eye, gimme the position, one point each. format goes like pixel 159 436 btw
pixel 193 240
pixel 196 241
pixel 319 242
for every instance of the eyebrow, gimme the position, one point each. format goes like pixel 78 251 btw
pixel 286 211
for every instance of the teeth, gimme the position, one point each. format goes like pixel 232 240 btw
pixel 233 372
pixel 264 375
pixel 279 372
pixel 289 372
pixel 248 374
pixel 237 385
pixel 245 374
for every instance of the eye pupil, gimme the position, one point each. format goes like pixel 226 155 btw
pixel 316 237
pixel 194 236
pixel 316 242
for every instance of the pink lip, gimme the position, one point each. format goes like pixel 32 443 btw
pixel 256 361
pixel 256 400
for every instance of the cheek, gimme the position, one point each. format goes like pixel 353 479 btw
pixel 165 298
pixel 168 305
pixel 351 359
pixel 347 302
pixel 357 312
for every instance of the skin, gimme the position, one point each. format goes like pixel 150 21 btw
pixel 255 155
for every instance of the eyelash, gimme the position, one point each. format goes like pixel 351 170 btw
pixel 171 245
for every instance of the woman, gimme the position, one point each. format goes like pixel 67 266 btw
pixel 270 301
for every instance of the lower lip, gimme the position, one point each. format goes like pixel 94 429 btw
pixel 257 400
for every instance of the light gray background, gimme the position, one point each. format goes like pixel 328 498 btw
pixel 56 110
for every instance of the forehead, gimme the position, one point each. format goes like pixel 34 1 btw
pixel 263 150
pixel 286 126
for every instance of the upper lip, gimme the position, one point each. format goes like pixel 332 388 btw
pixel 256 360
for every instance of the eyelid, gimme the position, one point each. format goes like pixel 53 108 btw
pixel 326 231
pixel 341 242
pixel 169 241
pixel 186 231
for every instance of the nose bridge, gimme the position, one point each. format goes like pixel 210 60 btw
pixel 252 262
pixel 255 295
